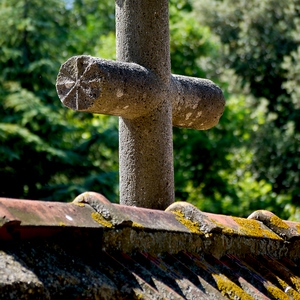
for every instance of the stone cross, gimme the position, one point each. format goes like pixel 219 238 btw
pixel 140 89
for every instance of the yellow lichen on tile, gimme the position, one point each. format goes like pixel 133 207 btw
pixel 78 204
pixel 298 228
pixel 192 226
pixel 296 281
pixel 288 289
pixel 292 293
pixel 253 228
pixel 276 293
pixel 290 281
pixel 62 224
pixel 225 229
pixel 229 288
pixel 101 220
pixel 139 296
pixel 278 222
pixel 137 225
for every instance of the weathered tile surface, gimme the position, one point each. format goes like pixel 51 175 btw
pixel 92 249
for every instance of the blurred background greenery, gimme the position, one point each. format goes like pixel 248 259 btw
pixel 249 161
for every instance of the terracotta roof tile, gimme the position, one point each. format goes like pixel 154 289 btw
pixel 92 249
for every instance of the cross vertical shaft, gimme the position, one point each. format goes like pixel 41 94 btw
pixel 146 148
pixel 140 89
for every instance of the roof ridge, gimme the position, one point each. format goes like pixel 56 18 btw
pixel 181 227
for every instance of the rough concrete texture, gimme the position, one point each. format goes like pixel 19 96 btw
pixel 96 85
pixel 149 100
pixel 50 270
pixel 196 103
pixel 142 29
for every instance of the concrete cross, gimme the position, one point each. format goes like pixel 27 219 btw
pixel 140 89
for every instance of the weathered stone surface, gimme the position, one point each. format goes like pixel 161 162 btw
pixel 196 103
pixel 80 267
pixel 17 281
pixel 129 90
pixel 277 225
pixel 14 212
pixel 50 270
pixel 105 211
pixel 146 151
pixel 192 217
pixel 96 85
pixel 114 215
pixel 129 229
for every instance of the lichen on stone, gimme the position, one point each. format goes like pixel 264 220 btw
pixel 287 289
pixel 296 281
pixel 192 226
pixel 225 230
pixel 276 221
pixel 276 293
pixel 78 204
pixel 253 228
pixel 101 220
pixel 137 225
pixel 230 289
pixel 62 224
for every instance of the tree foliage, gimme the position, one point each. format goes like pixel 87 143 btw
pixel 47 152
pixel 260 43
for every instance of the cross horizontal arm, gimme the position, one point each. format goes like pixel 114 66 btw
pixel 129 90
pixel 196 103
pixel 95 85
